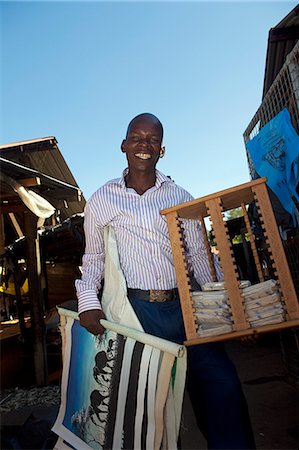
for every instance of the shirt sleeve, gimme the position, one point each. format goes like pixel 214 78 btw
pixel 93 262
pixel 195 250
pixel 196 254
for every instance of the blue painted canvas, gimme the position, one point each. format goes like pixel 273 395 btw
pixel 275 155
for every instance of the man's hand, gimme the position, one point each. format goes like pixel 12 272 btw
pixel 91 321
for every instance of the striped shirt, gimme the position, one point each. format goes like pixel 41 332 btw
pixel 142 238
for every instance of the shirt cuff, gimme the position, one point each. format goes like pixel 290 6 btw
pixel 88 300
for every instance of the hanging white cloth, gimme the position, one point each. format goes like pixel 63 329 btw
pixel 35 202
pixel 115 302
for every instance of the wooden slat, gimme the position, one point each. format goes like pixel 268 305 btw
pixel 15 224
pixel 252 244
pixel 230 198
pixel 277 250
pixel 182 275
pixel 27 182
pixel 208 249
pixel 228 265
pixel 239 334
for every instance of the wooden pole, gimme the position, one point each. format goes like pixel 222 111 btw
pixel 19 301
pixel 208 249
pixel 279 260
pixel 228 264
pixel 36 300
pixel 2 235
pixel 252 244
pixel 182 275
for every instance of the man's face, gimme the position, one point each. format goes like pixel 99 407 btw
pixel 143 144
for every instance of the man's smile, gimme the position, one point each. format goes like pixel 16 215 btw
pixel 143 155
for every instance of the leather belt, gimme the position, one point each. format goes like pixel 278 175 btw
pixel 153 295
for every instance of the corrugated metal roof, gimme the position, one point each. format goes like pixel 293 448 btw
pixel 281 41
pixel 32 141
pixel 42 155
pixel 42 158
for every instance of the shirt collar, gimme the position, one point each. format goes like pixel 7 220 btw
pixel 160 179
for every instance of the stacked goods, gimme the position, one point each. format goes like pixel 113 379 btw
pixel 263 304
pixel 219 285
pixel 212 311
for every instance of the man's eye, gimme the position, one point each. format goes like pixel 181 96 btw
pixel 154 141
pixel 135 139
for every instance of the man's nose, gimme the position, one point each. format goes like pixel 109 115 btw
pixel 145 142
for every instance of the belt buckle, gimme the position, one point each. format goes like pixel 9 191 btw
pixel 157 296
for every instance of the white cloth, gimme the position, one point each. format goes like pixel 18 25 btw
pixel 37 204
pixel 115 303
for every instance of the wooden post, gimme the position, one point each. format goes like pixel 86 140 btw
pixel 2 235
pixel 214 206
pixel 208 249
pixel 252 244
pixel 182 275
pixel 278 257
pixel 228 264
pixel 19 301
pixel 35 297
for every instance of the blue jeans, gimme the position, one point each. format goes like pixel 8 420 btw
pixel 214 387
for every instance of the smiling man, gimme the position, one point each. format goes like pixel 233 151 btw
pixel 131 205
pixel 143 150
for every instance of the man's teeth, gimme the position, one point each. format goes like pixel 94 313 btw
pixel 143 155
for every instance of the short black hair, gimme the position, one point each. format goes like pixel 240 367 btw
pixel 149 116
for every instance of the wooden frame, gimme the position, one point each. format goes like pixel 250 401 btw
pixel 214 206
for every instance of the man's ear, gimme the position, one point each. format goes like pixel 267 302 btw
pixel 123 146
pixel 162 152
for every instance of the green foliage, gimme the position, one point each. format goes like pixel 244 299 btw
pixel 234 213
pixel 237 239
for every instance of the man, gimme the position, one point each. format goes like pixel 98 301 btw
pixel 132 205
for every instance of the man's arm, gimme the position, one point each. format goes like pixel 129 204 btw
pixel 197 258
pixel 89 307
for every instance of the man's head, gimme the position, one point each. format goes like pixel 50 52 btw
pixel 146 117
pixel 143 143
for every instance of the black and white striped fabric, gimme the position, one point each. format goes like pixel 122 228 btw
pixel 134 399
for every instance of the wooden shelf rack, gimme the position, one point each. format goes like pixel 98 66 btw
pixel 214 206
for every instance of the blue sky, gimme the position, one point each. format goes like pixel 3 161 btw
pixel 80 71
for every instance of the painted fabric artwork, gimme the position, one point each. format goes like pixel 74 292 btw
pixel 117 392
pixel 275 155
